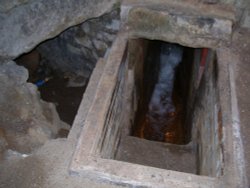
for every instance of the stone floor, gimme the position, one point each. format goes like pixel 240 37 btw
pixel 157 154
pixel 47 168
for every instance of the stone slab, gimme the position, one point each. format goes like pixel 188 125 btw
pixel 195 7
pixel 185 29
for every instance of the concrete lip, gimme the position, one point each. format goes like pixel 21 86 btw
pixel 87 160
pixel 93 157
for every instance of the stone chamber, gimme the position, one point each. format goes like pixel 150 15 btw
pixel 124 93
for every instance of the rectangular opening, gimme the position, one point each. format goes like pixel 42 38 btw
pixel 163 95
pixel 167 84
pixel 112 120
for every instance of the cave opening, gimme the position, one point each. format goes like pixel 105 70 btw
pixel 63 88
pixel 61 67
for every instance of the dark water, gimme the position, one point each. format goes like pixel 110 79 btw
pixel 163 118
pixel 67 99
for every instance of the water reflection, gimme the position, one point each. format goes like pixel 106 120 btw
pixel 162 122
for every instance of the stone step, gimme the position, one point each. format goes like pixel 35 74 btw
pixel 157 154
pixel 194 7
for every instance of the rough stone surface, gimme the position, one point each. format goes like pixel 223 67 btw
pixel 27 122
pixel 47 168
pixel 210 1
pixel 246 19
pixel 232 2
pixel 207 123
pixel 25 27
pixel 188 30
pixel 240 50
pixel 74 53
pixel 3 143
pixel 148 153
pixel 233 159
pixel 193 7
pixel 7 5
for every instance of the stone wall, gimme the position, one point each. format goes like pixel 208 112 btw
pixel 187 29
pixel 125 99
pixel 25 26
pixel 137 50
pixel 207 122
pixel 7 5
pixel 26 122
pixel 75 52
pixel 115 117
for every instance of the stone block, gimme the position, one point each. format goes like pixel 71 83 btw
pixel 188 30
pixel 27 121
